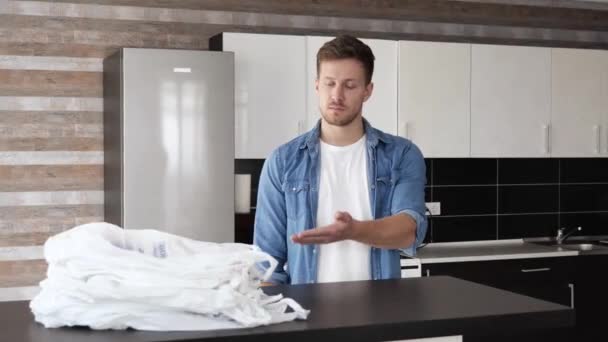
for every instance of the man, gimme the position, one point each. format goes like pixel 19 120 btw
pixel 339 202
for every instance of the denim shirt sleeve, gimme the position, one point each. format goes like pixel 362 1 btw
pixel 408 196
pixel 271 218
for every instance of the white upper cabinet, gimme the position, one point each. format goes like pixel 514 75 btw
pixel 381 108
pixel 510 101
pixel 270 91
pixel 450 99
pixel 579 103
pixel 434 97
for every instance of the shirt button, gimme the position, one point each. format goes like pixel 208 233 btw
pixel 373 186
pixel 314 251
pixel 293 189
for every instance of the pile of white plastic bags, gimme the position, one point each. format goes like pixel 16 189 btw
pixel 104 277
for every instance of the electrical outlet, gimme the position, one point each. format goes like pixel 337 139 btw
pixel 434 208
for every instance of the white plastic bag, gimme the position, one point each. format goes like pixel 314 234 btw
pixel 104 277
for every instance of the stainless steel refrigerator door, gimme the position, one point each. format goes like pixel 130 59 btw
pixel 178 152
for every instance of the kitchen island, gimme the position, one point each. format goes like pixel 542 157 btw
pixel 382 310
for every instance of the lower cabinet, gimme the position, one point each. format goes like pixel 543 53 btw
pixel 591 298
pixel 550 279
pixel 573 281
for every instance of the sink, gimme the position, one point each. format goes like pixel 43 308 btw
pixel 581 246
pixel 576 245
pixel 565 243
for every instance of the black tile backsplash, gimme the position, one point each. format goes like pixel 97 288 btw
pixel 584 197
pixel 592 223
pixel 487 199
pixel 528 199
pixel 584 170
pixel 527 225
pixel 466 200
pixel 464 171
pixel 429 170
pixel 428 194
pixel 464 228
pixel 528 171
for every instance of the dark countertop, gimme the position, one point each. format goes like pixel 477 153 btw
pixel 354 311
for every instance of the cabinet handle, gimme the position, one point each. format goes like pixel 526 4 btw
pixel 405 130
pixel 571 286
pixel 547 139
pixel 596 136
pixel 542 269
pixel 300 127
pixel 428 272
pixel 605 130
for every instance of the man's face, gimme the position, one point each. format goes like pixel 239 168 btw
pixel 342 90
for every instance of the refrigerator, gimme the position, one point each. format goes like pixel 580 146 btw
pixel 169 142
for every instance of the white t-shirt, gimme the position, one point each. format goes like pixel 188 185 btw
pixel 343 186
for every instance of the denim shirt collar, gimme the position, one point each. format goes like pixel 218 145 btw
pixel 372 136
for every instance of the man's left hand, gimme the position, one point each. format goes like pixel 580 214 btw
pixel 342 229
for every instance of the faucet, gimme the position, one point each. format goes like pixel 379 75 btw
pixel 561 237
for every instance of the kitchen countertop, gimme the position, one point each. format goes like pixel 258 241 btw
pixel 378 310
pixel 487 250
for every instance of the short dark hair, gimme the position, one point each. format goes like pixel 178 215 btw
pixel 346 46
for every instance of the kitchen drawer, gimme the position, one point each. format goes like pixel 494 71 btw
pixel 531 270
pixel 550 279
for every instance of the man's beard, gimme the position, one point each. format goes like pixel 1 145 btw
pixel 342 120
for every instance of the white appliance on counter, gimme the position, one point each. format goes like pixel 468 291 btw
pixel 169 142
pixel 410 267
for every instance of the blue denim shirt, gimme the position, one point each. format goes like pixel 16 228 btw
pixel 288 195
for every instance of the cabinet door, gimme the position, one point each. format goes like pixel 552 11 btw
pixel 270 91
pixel 381 108
pixel 559 292
pixel 434 97
pixel 549 279
pixel 510 101
pixel 591 296
pixel 579 102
